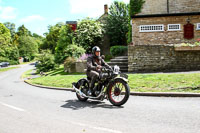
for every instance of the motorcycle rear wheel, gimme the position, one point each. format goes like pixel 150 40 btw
pixel 82 83
pixel 119 89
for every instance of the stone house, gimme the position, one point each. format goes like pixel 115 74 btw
pixel 160 24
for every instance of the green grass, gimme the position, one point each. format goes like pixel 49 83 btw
pixel 7 69
pixel 137 82
pixel 27 74
pixel 165 82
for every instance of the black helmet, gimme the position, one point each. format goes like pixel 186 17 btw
pixel 95 49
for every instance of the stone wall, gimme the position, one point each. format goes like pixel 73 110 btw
pixel 157 58
pixel 175 6
pixel 163 37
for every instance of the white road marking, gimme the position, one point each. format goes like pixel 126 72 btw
pixel 12 107
pixel 96 128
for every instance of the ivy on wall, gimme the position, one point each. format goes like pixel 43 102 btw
pixel 134 8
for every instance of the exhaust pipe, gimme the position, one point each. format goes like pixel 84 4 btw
pixel 83 95
pixel 78 91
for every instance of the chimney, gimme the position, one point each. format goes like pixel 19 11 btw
pixel 106 9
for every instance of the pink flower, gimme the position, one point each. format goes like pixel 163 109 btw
pixel 198 39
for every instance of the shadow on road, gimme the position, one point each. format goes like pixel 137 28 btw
pixel 76 105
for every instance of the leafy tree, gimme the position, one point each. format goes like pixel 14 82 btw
pixel 11 27
pixel 39 39
pixel 89 33
pixel 4 35
pixel 23 31
pixel 52 37
pixel 117 23
pixel 8 52
pixel 27 47
pixel 66 46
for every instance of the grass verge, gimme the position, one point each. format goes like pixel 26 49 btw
pixel 137 82
pixel 7 69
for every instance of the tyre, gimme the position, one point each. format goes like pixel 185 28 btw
pixel 118 92
pixel 83 86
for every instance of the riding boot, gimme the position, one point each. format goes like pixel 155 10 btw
pixel 91 88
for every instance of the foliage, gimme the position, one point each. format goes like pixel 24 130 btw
pixel 52 38
pixel 27 47
pixel 72 50
pixel 135 7
pixel 84 57
pixel 117 23
pixel 46 62
pixel 118 50
pixel 66 46
pixel 8 52
pixel 4 35
pixel 89 33
pixel 69 61
pixel 23 31
pixel 11 27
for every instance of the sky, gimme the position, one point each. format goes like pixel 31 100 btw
pixel 37 15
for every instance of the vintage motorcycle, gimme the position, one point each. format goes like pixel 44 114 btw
pixel 111 85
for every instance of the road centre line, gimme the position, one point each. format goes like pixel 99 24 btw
pixel 13 107
pixel 96 128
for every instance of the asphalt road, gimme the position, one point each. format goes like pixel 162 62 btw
pixel 28 109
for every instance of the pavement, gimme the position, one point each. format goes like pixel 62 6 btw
pixel 156 94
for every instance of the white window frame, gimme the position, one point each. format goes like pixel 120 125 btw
pixel 169 29
pixel 151 28
pixel 198 26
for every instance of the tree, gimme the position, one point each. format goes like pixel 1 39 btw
pixel 8 52
pixel 4 35
pixel 52 37
pixel 27 47
pixel 66 46
pixel 117 23
pixel 89 33
pixel 11 27
pixel 23 31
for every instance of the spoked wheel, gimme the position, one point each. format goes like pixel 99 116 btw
pixel 82 85
pixel 118 92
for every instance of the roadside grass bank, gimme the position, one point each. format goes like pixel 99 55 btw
pixel 7 69
pixel 189 82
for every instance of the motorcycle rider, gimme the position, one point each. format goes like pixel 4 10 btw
pixel 94 65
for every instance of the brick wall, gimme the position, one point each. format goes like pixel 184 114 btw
pixel 175 6
pixel 149 58
pixel 164 37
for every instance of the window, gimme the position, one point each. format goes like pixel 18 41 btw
pixel 198 26
pixel 174 27
pixel 151 28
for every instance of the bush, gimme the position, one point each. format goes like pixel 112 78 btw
pixel 46 62
pixel 69 61
pixel 12 62
pixel 70 51
pixel 118 50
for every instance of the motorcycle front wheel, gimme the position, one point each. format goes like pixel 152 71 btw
pixel 118 92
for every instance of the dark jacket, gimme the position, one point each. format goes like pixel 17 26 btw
pixel 93 62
